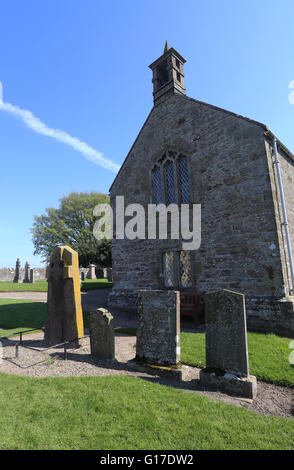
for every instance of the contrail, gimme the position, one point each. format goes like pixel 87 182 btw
pixel 40 127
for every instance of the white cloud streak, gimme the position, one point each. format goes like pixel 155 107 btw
pixel 40 127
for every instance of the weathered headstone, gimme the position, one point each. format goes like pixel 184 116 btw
pixel 158 332
pixel 102 334
pixel 92 271
pixel 227 364
pixel 17 271
pixel 32 278
pixel 27 273
pixel 64 321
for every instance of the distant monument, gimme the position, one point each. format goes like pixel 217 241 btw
pixel 27 273
pixel 92 271
pixel 17 271
pixel 64 320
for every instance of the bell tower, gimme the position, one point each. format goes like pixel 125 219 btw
pixel 168 75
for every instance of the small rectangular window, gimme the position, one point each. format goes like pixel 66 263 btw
pixel 177 269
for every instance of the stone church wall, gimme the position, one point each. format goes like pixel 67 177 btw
pixel 230 178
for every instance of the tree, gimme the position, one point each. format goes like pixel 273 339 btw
pixel 72 224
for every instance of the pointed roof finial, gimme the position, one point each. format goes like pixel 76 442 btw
pixel 166 48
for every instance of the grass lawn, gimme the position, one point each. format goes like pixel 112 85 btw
pixel 91 284
pixel 38 286
pixel 268 354
pixel 127 413
pixel 41 286
pixel 20 315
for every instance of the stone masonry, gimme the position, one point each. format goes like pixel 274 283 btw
pixel 225 332
pixel 158 332
pixel 232 176
pixel 102 334
pixel 227 366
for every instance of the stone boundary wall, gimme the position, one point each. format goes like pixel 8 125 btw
pixel 7 274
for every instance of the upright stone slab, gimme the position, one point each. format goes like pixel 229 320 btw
pixel 158 332
pixel 64 321
pixel 92 271
pixel 26 279
pixel 17 271
pixel 227 364
pixel 32 276
pixel 102 334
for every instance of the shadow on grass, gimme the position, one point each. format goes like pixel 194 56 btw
pixel 15 317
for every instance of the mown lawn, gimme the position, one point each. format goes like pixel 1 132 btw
pixel 127 413
pixel 38 286
pixel 93 284
pixel 20 315
pixel 268 356
pixel 42 286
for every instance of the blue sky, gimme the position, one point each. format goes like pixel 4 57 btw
pixel 82 66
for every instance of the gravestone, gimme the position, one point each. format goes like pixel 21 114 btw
pixel 227 364
pixel 17 271
pixel 92 271
pixel 26 279
pixel 102 334
pixel 32 279
pixel 109 274
pixel 64 320
pixel 158 332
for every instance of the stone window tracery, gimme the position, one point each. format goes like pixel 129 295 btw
pixel 170 179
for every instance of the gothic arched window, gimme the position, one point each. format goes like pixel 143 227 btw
pixel 170 179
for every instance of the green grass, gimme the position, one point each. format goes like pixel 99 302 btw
pixel 38 286
pixel 127 413
pixel 93 284
pixel 268 356
pixel 20 315
pixel 41 286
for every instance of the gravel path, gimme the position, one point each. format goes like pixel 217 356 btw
pixel 271 400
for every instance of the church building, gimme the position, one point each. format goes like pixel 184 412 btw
pixel 190 152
